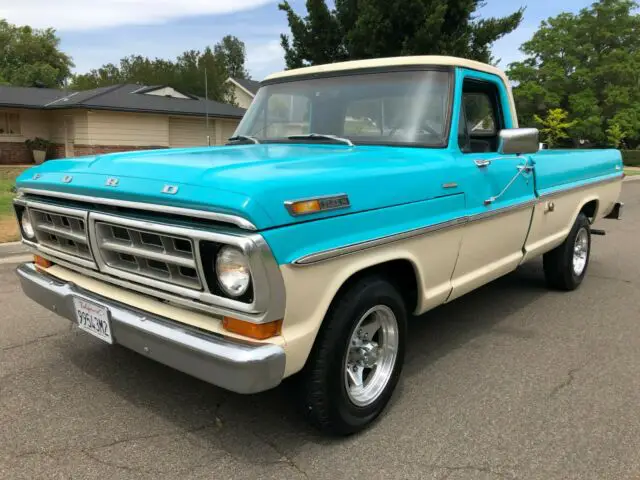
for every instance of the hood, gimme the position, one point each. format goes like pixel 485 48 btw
pixel 254 181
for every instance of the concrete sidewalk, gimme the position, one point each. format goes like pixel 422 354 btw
pixel 14 252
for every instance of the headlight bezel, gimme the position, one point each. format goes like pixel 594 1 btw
pixel 209 252
pixel 28 230
pixel 21 210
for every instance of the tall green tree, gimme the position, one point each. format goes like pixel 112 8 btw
pixel 234 55
pixel 357 29
pixel 31 57
pixel 587 64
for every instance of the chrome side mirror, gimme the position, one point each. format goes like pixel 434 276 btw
pixel 518 141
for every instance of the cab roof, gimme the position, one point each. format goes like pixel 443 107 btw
pixel 417 60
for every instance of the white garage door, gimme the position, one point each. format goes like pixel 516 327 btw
pixel 190 132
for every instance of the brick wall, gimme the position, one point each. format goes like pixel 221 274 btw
pixel 14 153
pixel 57 150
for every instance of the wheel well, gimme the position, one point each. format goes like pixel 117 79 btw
pixel 399 272
pixel 590 209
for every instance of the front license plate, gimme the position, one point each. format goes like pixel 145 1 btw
pixel 94 319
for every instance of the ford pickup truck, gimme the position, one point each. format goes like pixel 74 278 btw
pixel 351 196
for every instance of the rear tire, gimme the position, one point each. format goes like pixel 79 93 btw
pixel 566 265
pixel 357 357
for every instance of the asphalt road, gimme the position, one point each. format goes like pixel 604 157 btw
pixel 511 381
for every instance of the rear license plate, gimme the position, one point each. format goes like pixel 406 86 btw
pixel 93 318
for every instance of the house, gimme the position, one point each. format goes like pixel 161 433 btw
pixel 244 91
pixel 109 119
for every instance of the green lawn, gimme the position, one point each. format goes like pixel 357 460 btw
pixel 8 225
pixel 631 172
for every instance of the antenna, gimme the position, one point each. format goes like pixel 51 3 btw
pixel 206 107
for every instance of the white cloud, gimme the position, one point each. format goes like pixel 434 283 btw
pixel 89 14
pixel 264 58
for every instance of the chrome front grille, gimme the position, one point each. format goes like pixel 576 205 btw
pixel 148 253
pixel 159 257
pixel 62 230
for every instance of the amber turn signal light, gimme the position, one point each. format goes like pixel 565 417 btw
pixel 259 331
pixel 41 262
pixel 308 206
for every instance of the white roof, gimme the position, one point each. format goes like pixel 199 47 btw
pixel 392 62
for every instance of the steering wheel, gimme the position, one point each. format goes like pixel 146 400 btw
pixel 422 129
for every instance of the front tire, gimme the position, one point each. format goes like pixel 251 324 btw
pixel 566 265
pixel 357 357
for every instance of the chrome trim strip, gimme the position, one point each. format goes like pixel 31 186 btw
pixel 187 212
pixel 355 247
pixel 50 254
pixel 237 365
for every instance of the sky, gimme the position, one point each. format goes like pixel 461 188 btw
pixel 95 32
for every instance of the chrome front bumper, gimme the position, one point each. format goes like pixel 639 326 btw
pixel 242 367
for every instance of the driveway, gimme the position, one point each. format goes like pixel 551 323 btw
pixel 511 381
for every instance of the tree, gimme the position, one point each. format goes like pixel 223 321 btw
pixel 31 57
pixel 233 54
pixel 358 29
pixel 186 73
pixel 615 134
pixel 587 64
pixel 554 126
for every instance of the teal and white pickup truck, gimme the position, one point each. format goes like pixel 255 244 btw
pixel 351 196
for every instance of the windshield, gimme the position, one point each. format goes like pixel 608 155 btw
pixel 407 107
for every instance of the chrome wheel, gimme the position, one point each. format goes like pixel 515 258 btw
pixel 371 355
pixel 580 251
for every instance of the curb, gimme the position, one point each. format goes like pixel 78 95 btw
pixel 632 178
pixel 13 248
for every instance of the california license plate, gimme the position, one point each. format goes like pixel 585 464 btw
pixel 94 319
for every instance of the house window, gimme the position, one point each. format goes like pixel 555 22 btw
pixel 9 123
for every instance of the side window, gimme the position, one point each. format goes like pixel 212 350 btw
pixel 483 118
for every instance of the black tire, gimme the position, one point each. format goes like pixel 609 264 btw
pixel 325 400
pixel 558 263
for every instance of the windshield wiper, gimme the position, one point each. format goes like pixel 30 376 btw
pixel 321 136
pixel 236 138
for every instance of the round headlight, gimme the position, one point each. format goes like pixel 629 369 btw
pixel 27 228
pixel 232 269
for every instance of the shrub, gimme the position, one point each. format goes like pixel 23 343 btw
pixel 37 143
pixel 631 158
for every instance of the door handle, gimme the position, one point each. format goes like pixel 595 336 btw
pixel 525 168
pixel 482 163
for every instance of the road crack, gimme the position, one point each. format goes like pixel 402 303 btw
pixel 471 468
pixel 571 376
pixel 32 341
pixel 287 460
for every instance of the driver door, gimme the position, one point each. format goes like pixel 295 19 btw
pixel 499 193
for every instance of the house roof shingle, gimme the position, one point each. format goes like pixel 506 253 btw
pixel 250 85
pixel 114 97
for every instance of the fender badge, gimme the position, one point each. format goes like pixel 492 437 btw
pixel 36 176
pixel 170 189
pixel 112 182
pixel 67 179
